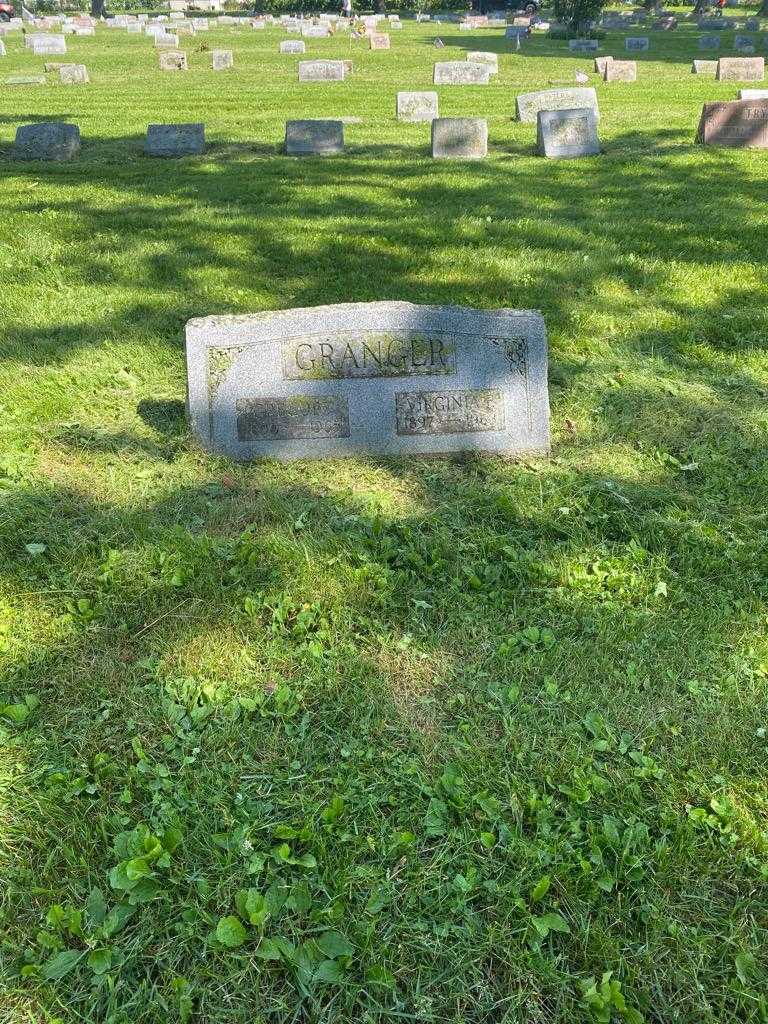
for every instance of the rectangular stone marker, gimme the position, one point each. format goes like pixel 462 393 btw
pixel 741 69
pixel 73 74
pixel 458 72
pixel 459 138
pixel 709 42
pixel 293 46
pixel 620 71
pixel 314 138
pixel 315 31
pixel 222 60
pixel 321 70
pixel 172 60
pixel 600 63
pixel 175 140
pixel 2 48
pixel 753 94
pixel 484 57
pixel 566 134
pixel 50 140
pixel 708 68
pixel 416 106
pixel 25 80
pixel 514 32
pixel 744 43
pixel 378 378
pixel 379 41
pixel 583 45
pixel 166 42
pixel 49 44
pixel 739 123
pixel 530 103
pixel 637 43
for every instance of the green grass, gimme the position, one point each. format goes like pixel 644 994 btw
pixel 476 732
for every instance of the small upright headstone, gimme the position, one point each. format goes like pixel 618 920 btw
pixel 484 57
pixel 583 45
pixel 166 41
pixel 600 63
pixel 637 43
pixel 382 377
pixel 73 74
pixel 293 46
pixel 459 138
pixel 172 60
pixel 741 69
pixel 314 138
pixel 566 134
pixel 707 68
pixel 379 41
pixel 51 140
pixel 321 70
pixel 416 106
pixel 175 140
pixel 222 60
pixel 709 42
pixel 620 71
pixel 739 123
pixel 457 72
pixel 530 103
pixel 49 44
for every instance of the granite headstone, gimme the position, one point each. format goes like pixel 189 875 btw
pixel 637 43
pixel 416 106
pixel 741 69
pixel 566 134
pixel 738 123
pixel 314 138
pixel 321 70
pixel 47 140
pixel 457 72
pixel 459 138
pixel 530 103
pixel 170 140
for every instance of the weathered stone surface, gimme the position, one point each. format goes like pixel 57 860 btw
pixel 50 140
pixel 315 31
pixel 620 71
pixel 484 57
pixel 25 80
pixel 707 68
pixel 321 71
pixel 416 106
pixel 583 45
pixel 459 138
pixel 753 94
pixel 167 41
pixel 381 377
pixel 637 43
pixel 600 64
pixel 378 41
pixel 73 74
pixel 169 140
pixel 172 60
pixel 565 134
pixel 709 42
pixel 741 69
pixel 739 123
pixel 744 43
pixel 293 46
pixel 49 44
pixel 458 72
pixel 530 103
pixel 314 138
pixel 222 60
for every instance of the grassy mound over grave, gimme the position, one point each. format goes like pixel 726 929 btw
pixel 382 741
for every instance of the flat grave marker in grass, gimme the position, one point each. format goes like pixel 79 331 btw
pixel 379 377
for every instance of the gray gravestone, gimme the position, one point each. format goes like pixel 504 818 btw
pixel 744 43
pixel 565 134
pixel 530 103
pixel 51 140
pixel 620 71
pixel 416 106
pixel 385 378
pixel 484 57
pixel 166 42
pixel 73 74
pixel 222 60
pixel 25 80
pixel 49 44
pixel 600 64
pixel 636 43
pixel 172 60
pixel 709 42
pixel 583 45
pixel 459 138
pixel 753 94
pixel 457 72
pixel 707 68
pixel 293 46
pixel 169 140
pixel 740 69
pixel 321 70
pixel 314 138
pixel 515 32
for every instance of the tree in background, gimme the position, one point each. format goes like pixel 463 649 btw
pixel 577 13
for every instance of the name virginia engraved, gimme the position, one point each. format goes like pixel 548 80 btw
pixel 292 418
pixel 368 354
pixel 449 412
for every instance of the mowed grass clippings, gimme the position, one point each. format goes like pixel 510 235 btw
pixel 374 740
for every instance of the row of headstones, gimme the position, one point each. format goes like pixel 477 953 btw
pixel 640 44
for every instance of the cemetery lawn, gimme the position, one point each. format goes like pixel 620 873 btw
pixel 366 741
